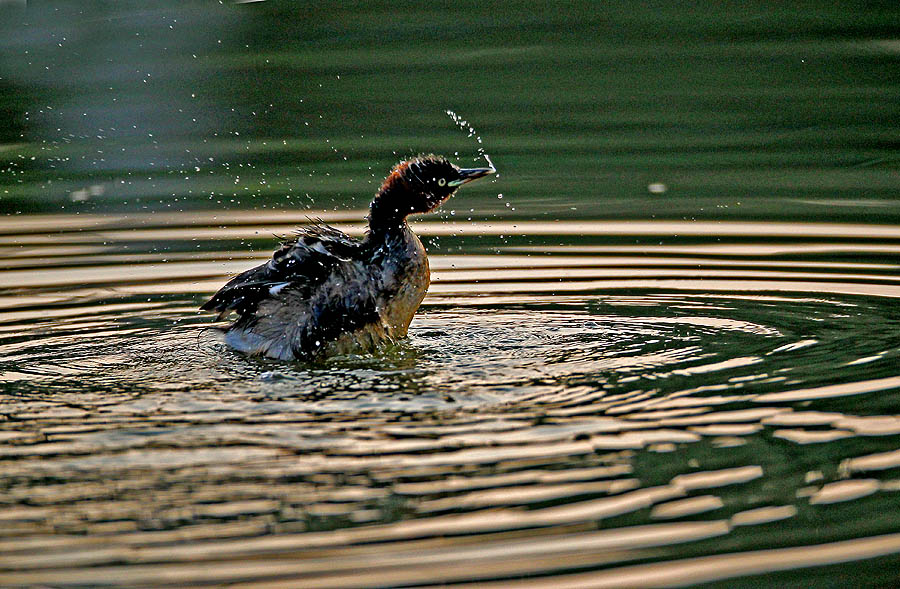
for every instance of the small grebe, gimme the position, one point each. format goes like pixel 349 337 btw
pixel 324 292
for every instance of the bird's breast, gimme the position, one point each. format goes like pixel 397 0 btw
pixel 406 277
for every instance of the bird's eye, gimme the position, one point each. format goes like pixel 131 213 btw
pixel 442 181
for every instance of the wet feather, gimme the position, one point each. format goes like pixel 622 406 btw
pixel 325 292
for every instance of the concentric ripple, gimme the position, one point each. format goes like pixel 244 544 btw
pixel 578 405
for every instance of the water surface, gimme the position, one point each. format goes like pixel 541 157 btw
pixel 606 403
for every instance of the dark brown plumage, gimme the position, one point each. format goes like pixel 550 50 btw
pixel 324 292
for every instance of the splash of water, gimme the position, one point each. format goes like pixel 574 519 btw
pixel 465 126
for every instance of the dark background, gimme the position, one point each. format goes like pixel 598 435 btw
pixel 742 109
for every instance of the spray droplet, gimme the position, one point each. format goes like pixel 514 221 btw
pixel 465 126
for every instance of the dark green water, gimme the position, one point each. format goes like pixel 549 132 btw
pixel 661 348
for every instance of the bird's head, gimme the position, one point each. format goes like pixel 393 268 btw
pixel 420 185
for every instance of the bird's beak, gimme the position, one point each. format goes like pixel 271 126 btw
pixel 469 174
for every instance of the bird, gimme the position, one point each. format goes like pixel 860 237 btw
pixel 324 293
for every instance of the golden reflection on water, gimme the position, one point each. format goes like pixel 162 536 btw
pixel 195 226
pixel 649 413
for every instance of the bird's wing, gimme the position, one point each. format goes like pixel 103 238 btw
pixel 302 262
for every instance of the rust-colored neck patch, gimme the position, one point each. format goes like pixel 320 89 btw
pixel 396 177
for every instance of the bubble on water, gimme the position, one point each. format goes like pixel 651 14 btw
pixel 271 375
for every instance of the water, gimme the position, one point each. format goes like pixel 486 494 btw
pixel 596 408
pixel 660 348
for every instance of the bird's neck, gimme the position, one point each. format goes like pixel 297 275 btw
pixel 388 212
